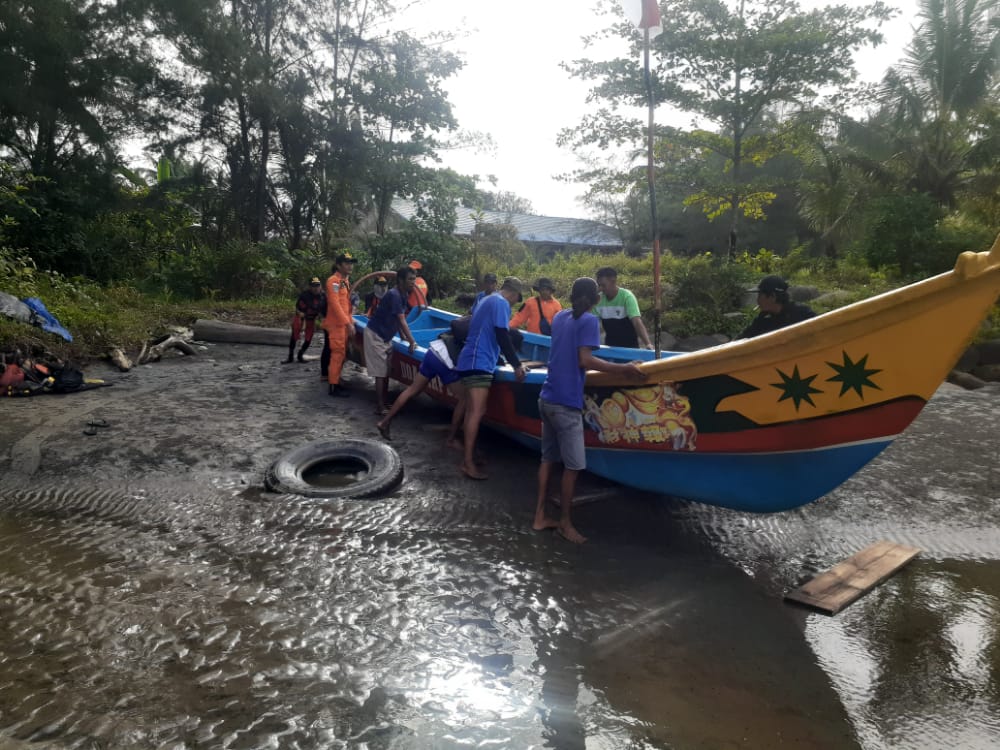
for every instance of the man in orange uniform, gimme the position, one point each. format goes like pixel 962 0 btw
pixel 536 314
pixel 418 297
pixel 339 322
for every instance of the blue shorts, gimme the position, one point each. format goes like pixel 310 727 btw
pixel 562 435
pixel 432 367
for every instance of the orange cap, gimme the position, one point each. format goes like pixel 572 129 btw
pixel 416 265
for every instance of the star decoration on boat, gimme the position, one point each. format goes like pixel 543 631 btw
pixel 796 387
pixel 853 375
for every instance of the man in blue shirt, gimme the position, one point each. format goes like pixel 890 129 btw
pixel 488 336
pixel 389 319
pixel 489 287
pixel 575 334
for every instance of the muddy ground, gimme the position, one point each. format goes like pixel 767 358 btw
pixel 666 630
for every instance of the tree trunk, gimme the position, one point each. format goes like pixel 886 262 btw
pixel 260 186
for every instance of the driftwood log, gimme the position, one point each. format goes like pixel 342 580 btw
pixel 120 360
pixel 221 332
pixel 153 351
pixel 156 351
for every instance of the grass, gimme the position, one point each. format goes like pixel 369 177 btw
pixel 127 321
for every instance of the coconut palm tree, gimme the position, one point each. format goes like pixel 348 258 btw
pixel 939 103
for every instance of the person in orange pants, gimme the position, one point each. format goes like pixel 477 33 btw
pixel 339 322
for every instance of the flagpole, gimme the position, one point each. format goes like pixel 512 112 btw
pixel 650 176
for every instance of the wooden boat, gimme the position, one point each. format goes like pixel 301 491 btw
pixel 764 424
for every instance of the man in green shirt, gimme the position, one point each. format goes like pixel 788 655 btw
pixel 619 313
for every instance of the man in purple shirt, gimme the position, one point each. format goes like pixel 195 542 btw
pixel 575 334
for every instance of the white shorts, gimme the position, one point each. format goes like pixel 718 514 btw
pixel 377 354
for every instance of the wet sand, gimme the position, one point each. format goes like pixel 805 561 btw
pixel 153 595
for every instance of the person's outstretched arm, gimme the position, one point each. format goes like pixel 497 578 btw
pixel 587 360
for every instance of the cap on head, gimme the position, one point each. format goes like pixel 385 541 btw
pixel 514 284
pixel 380 280
pixel 771 285
pixel 416 265
pixel 489 278
pixel 544 283
pixel 345 257
pixel 584 288
pixel 314 281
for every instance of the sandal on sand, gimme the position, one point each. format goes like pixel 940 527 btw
pixel 98 422
pixel 90 431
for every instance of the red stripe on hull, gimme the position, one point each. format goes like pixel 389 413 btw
pixel 867 423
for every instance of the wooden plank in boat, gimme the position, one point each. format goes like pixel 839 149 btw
pixel 848 581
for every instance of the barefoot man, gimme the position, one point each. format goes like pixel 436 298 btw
pixel 488 336
pixel 439 363
pixel 575 334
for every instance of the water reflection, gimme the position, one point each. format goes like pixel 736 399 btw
pixel 918 662
pixel 173 612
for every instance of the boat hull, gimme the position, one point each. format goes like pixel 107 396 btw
pixel 759 425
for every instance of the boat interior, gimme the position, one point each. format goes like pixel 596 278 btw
pixel 534 350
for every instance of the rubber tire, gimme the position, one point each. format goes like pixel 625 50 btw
pixel 385 468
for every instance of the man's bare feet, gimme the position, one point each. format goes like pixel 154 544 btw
pixel 542 523
pixel 473 472
pixel 383 430
pixel 458 445
pixel 570 534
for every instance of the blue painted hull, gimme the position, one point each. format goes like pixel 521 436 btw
pixel 755 483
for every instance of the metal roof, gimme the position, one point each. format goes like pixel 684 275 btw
pixel 530 228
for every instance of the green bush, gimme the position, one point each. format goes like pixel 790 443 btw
pixel 901 233
pixel 446 259
pixel 236 270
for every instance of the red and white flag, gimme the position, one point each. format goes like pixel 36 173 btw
pixel 645 14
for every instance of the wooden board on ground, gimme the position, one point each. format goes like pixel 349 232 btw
pixel 848 581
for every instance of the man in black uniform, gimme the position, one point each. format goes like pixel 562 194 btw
pixel 310 305
pixel 776 308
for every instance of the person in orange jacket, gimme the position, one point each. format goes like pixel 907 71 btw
pixel 339 322
pixel 536 314
pixel 419 297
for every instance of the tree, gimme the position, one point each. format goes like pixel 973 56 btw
pixel 729 65
pixel 931 146
pixel 939 107
pixel 402 106
pixel 78 80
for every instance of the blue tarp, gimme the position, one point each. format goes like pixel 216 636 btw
pixel 45 319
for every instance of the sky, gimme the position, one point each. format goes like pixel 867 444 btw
pixel 513 88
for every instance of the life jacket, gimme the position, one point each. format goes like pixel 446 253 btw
pixel 416 297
